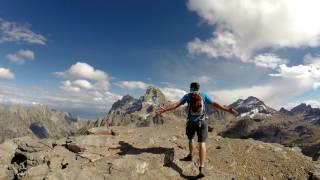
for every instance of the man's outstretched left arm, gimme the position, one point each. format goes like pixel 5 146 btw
pixel 218 106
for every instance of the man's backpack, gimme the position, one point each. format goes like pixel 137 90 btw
pixel 196 104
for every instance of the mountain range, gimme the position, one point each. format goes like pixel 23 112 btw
pixel 37 121
pixel 261 143
pixel 306 111
pixel 140 112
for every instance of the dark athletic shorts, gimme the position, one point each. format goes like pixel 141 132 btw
pixel 201 128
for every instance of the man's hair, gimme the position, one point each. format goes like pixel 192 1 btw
pixel 194 86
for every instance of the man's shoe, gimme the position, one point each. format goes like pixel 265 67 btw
pixel 201 172
pixel 187 158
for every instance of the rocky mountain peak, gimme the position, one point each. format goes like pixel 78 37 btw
pixel 301 109
pixel 129 110
pixel 153 95
pixel 251 106
pixel 309 113
pixel 126 104
pixel 284 111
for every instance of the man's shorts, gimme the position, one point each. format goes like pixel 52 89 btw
pixel 201 128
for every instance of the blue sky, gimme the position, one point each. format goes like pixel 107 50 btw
pixel 81 56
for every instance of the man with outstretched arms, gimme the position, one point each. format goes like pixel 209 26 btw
pixel 196 122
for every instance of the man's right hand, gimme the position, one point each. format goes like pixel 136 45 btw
pixel 233 111
pixel 160 110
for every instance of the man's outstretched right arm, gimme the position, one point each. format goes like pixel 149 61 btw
pixel 170 107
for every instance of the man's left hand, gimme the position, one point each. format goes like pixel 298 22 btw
pixel 233 111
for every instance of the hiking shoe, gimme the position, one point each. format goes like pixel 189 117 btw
pixel 187 158
pixel 201 172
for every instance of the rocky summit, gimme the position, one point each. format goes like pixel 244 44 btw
pixel 306 111
pixel 148 153
pixel 251 107
pixel 129 111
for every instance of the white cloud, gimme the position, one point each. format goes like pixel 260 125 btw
pixel 221 45
pixel 26 53
pixel 21 56
pixel 275 94
pixel 131 85
pixel 82 83
pixel 289 82
pixel 268 61
pixel 67 86
pixel 15 32
pixel 6 74
pixel 310 71
pixel 85 87
pixel 316 85
pixel 85 104
pixel 76 85
pixel 84 70
pixel 87 96
pixel 15 58
pixel 82 76
pixel 242 28
pixel 173 94
pixel 310 59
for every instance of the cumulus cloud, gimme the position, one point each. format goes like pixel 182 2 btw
pixel 84 70
pixel 173 94
pixel 311 59
pixel 86 105
pixel 310 71
pixel 6 74
pixel 76 85
pixel 82 76
pixel 276 94
pixel 316 85
pixel 242 28
pixel 268 61
pixel 131 85
pixel 85 87
pixel 17 32
pixel 21 56
pixel 288 82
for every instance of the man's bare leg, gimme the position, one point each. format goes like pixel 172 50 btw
pixel 202 153
pixel 191 146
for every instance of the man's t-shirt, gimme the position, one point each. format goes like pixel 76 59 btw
pixel 206 99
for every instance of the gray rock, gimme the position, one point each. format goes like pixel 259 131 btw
pixel 137 112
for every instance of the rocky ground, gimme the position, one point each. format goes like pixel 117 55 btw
pixel 148 153
pixel 293 131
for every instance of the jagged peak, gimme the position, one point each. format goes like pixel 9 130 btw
pixel 126 97
pixel 283 109
pixel 248 100
pixel 152 90
pixel 153 95
pixel 301 107
pixel 252 98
